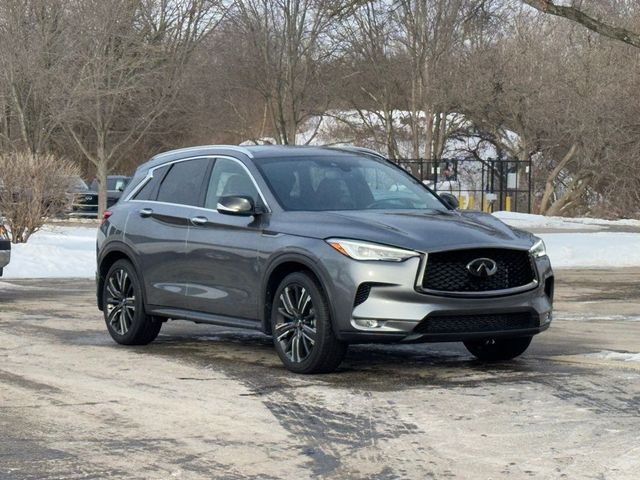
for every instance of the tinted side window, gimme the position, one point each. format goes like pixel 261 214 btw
pixel 183 183
pixel 150 189
pixel 229 178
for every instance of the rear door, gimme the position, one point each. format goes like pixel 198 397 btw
pixel 222 249
pixel 159 225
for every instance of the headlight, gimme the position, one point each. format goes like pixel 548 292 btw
pixel 370 251
pixel 538 250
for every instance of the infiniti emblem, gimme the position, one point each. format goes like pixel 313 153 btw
pixel 482 267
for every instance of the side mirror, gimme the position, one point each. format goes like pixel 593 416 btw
pixel 450 200
pixel 236 205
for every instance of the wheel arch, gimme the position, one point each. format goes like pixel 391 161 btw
pixel 108 256
pixel 277 271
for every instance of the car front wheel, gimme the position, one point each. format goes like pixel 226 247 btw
pixel 301 326
pixel 495 349
pixel 123 308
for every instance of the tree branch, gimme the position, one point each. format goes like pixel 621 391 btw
pixel 578 16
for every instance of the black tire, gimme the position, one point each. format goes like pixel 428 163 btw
pixel 312 322
pixel 123 308
pixel 496 349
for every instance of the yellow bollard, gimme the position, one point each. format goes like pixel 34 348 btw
pixel 508 203
pixel 470 202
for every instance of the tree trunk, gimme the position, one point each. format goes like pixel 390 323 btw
pixel 101 175
pixel 574 192
pixel 391 144
pixel 428 134
pixel 592 23
pixel 415 122
pixel 545 204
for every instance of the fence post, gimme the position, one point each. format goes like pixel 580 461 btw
pixel 530 168
pixel 482 187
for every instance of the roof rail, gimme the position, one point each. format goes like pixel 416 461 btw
pixel 237 148
pixel 353 148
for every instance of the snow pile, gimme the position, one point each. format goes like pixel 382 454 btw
pixel 616 356
pixel 527 221
pixel 570 249
pixel 593 250
pixel 55 252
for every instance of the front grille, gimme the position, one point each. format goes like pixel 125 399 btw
pixel 478 323
pixel 362 294
pixel 447 271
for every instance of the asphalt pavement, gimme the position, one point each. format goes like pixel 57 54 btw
pixel 206 402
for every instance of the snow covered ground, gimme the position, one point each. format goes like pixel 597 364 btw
pixel 55 251
pixel 616 356
pixel 62 251
pixel 529 221
pixel 593 250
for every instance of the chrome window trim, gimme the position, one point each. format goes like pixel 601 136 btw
pixel 140 186
pixel 179 160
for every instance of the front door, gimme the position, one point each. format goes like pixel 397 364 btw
pixel 222 249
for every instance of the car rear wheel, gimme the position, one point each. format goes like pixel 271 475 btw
pixel 495 349
pixel 301 326
pixel 123 309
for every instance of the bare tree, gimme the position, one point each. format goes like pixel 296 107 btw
pixel 286 43
pixel 32 35
pixel 431 31
pixel 374 74
pixel 127 61
pixel 33 188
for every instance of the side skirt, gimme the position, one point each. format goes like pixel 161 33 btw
pixel 201 317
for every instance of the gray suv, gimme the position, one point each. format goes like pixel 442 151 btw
pixel 319 248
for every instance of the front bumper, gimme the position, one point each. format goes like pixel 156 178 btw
pixel 395 310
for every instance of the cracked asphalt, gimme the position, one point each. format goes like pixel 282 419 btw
pixel 209 402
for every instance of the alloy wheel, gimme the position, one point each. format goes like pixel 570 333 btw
pixel 295 328
pixel 120 301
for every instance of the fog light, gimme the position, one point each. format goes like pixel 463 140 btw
pixel 546 318
pixel 367 323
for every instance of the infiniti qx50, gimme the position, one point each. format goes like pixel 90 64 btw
pixel 318 248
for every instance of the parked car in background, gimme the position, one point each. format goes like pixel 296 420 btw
pixel 78 188
pixel 5 247
pixel 85 201
pixel 319 248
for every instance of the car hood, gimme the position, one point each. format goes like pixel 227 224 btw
pixel 425 230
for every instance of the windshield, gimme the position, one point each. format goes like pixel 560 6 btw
pixel 118 184
pixel 344 183
pixel 113 183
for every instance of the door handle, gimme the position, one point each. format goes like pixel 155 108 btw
pixel 145 212
pixel 199 220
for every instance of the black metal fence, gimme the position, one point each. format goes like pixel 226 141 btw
pixel 487 185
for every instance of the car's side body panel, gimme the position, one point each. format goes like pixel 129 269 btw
pixel 222 264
